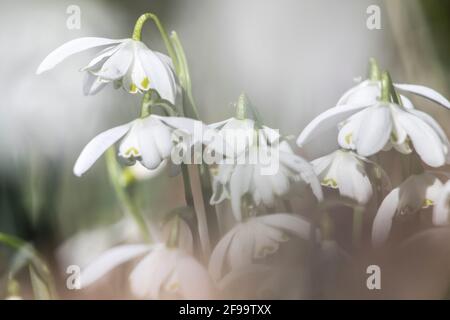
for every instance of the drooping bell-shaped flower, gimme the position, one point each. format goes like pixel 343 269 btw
pixel 345 171
pixel 415 193
pixel 385 125
pixel 367 93
pixel 148 140
pixel 127 63
pixel 254 239
pixel 163 270
pixel 265 169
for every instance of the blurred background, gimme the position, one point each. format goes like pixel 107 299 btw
pixel 293 58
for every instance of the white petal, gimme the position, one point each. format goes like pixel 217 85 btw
pixel 441 210
pixel 193 128
pixel 425 140
pixel 163 140
pixel 240 252
pixel 97 146
pixel 160 75
pixel 96 63
pixel 322 163
pixel 239 185
pixel 349 130
pixel 326 120
pixel 219 255
pixel 70 48
pixel 109 260
pixel 425 92
pixel 288 222
pixel 151 158
pixel 116 66
pixel 364 94
pixel 306 171
pixel 432 123
pixel 383 220
pixel 353 181
pixel 92 84
pixel 194 279
pixel 407 104
pixel 150 273
pixel 375 131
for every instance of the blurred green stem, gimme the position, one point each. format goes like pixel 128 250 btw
pixel 115 173
pixel 358 223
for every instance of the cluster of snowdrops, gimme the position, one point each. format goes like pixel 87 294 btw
pixel 177 259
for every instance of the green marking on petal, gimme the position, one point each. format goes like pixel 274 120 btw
pixel 145 83
pixel 330 183
pixel 427 203
pixel 174 286
pixel 394 137
pixel 348 138
pixel 132 151
pixel 133 88
pixel 266 250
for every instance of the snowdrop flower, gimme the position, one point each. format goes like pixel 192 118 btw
pixel 254 239
pixel 441 210
pixel 358 98
pixel 163 272
pixel 345 171
pixel 415 193
pixel 125 62
pixel 148 140
pixel 264 171
pixel 384 124
pixel 234 136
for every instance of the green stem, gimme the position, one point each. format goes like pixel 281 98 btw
pixel 358 223
pixel 183 72
pixel 326 226
pixel 174 237
pixel 138 31
pixel 147 101
pixel 115 174
pixel 374 70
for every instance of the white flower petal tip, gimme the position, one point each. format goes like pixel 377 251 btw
pixel 383 220
pixel 425 92
pixel 327 120
pixel 97 146
pixel 109 260
pixel 70 48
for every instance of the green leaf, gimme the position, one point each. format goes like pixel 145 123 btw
pixel 41 290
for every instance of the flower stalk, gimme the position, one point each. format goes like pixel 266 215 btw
pixel 115 174
pixel 358 224
pixel 137 32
